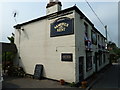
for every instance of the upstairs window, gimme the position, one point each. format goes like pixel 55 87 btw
pixel 94 38
pixel 99 44
pixel 86 29
pixel 88 44
pixel 98 38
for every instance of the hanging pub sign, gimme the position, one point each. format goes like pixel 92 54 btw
pixel 62 26
pixel 67 57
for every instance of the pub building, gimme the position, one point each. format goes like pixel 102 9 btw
pixel 65 42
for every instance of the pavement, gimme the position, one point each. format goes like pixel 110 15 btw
pixel 12 82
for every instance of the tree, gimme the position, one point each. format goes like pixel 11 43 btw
pixel 114 51
pixel 11 38
pixel 8 56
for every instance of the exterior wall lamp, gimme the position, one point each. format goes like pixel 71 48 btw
pixel 22 28
pixel 19 27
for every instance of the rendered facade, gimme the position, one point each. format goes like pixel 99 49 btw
pixel 65 42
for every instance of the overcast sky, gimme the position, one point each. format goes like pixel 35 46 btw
pixel 107 12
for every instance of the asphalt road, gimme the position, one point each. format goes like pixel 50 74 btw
pixel 110 78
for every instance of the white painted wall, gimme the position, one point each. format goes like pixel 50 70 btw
pixel 37 47
pixel 79 41
pixel 80 45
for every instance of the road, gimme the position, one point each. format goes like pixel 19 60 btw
pixel 110 78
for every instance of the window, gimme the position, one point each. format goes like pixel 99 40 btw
pixel 94 38
pixel 88 60
pixel 98 38
pixel 86 30
pixel 104 57
pixel 100 58
pixel 99 44
pixel 88 43
pixel 102 40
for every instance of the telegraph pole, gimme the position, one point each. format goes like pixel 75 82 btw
pixel 106 32
pixel 106 36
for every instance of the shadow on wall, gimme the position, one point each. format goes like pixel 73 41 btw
pixel 25 34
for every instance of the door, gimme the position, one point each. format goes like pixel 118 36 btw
pixel 95 60
pixel 81 71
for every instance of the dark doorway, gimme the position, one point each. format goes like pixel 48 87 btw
pixel 95 60
pixel 81 71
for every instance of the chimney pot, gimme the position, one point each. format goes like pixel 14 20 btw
pixel 53 6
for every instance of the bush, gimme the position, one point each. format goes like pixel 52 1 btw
pixel 73 84
pixel 16 71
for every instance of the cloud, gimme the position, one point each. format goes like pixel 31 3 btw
pixel 0 21
pixel 108 13
pixel 105 10
pixel 59 0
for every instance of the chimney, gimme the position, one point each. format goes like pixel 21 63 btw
pixel 53 6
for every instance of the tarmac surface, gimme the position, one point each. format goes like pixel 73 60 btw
pixel 109 79
pixel 12 82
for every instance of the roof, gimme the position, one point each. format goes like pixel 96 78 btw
pixel 62 11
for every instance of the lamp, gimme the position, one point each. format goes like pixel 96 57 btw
pixel 22 28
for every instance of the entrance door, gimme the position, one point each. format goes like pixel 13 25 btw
pixel 81 71
pixel 95 60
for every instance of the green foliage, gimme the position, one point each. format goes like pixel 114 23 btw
pixel 114 51
pixel 7 59
pixel 11 38
pixel 16 71
pixel 8 55
pixel 73 84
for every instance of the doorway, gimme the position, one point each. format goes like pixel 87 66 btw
pixel 81 71
pixel 95 61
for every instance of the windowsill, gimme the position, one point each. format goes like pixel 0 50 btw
pixel 89 50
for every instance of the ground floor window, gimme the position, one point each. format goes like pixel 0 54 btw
pixel 104 58
pixel 88 60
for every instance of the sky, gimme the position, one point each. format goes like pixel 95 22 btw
pixel 107 11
